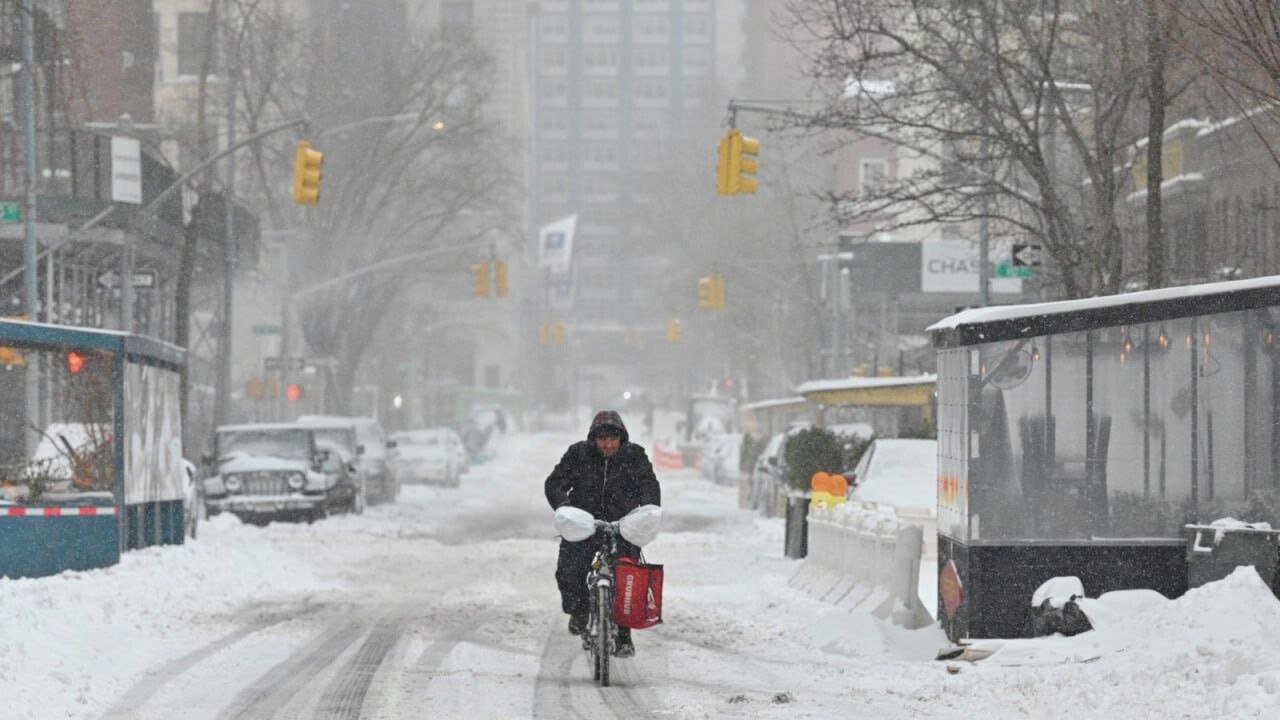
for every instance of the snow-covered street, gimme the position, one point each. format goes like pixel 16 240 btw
pixel 444 605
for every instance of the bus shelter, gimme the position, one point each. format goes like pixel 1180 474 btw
pixel 893 406
pixel 766 418
pixel 1081 437
pixel 90 447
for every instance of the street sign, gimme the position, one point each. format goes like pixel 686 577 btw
pixel 1008 270
pixel 142 280
pixel 1026 255
pixel 266 329
pixel 10 212
pixel 126 170
pixel 277 364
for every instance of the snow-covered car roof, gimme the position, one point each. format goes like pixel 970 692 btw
pixel 899 472
pixel 328 422
pixel 262 426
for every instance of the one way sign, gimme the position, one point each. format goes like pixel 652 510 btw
pixel 1026 256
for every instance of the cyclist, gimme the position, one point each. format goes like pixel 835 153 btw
pixel 607 476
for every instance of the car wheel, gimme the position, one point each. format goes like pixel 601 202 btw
pixel 319 512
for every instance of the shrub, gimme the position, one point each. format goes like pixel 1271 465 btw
pixel 809 451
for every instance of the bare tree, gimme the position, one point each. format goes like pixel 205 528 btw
pixel 1018 111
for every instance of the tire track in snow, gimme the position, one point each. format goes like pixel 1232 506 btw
pixel 564 688
pixel 273 690
pixel 142 691
pixel 344 699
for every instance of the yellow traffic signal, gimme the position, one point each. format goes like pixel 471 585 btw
pixel 544 334
pixel 307 164
pixel 737 164
pixel 711 292
pixel 673 331
pixel 706 292
pixel 743 163
pixel 480 278
pixel 558 331
pixel 722 166
pixel 500 278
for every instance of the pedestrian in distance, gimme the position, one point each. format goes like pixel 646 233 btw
pixel 608 476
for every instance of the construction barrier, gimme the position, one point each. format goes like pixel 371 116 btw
pixel 666 459
pixel 865 559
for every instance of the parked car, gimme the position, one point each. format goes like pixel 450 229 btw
pixel 434 456
pixel 720 458
pixel 902 474
pixel 278 470
pixel 372 454
pixel 341 433
pixel 194 510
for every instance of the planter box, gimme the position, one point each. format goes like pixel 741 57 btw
pixel 77 533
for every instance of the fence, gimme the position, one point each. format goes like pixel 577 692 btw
pixel 864 559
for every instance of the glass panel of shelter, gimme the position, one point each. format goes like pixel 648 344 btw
pixel 1122 432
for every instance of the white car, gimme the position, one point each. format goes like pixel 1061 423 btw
pixel 720 458
pixel 429 456
pixel 902 474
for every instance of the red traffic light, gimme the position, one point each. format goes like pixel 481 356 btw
pixel 75 362
pixel 293 392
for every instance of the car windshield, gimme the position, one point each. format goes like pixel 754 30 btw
pixel 339 437
pixel 291 444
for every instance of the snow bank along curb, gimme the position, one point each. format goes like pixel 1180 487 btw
pixel 865 559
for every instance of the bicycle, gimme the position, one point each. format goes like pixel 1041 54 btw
pixel 600 637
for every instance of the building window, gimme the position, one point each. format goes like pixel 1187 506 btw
pixel 192 27
pixel 553 27
pixel 652 26
pixel 554 88
pixel 600 89
pixel 698 26
pixel 455 18
pixel 650 56
pixel 554 58
pixel 873 173
pixel 651 88
pixel 600 56
pixel 601 27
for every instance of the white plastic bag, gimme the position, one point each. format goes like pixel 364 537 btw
pixel 574 524
pixel 640 526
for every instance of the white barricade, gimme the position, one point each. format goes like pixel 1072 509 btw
pixel 865 559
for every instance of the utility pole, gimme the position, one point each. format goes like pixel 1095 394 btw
pixel 29 251
pixel 222 398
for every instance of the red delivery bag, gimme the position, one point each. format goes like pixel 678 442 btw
pixel 637 599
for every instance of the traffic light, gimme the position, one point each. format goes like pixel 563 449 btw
pixel 75 362
pixel 480 278
pixel 307 164
pixel 673 331
pixel 722 167
pixel 558 331
pixel 736 170
pixel 293 392
pixel 544 334
pixel 500 278
pixel 711 292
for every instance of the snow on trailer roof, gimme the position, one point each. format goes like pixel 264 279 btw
pixel 775 403
pixel 864 383
pixel 1009 322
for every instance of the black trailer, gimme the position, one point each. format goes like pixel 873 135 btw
pixel 1081 437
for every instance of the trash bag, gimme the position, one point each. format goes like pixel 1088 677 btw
pixel 1068 619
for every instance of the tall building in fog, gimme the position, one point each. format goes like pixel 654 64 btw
pixel 614 82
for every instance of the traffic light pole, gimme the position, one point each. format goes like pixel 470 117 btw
pixel 292 299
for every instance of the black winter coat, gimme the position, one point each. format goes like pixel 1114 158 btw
pixel 607 488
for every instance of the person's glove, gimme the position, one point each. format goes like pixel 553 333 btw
pixel 574 524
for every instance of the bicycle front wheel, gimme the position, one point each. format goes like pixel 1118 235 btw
pixel 604 625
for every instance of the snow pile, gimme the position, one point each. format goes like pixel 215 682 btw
pixel 88 635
